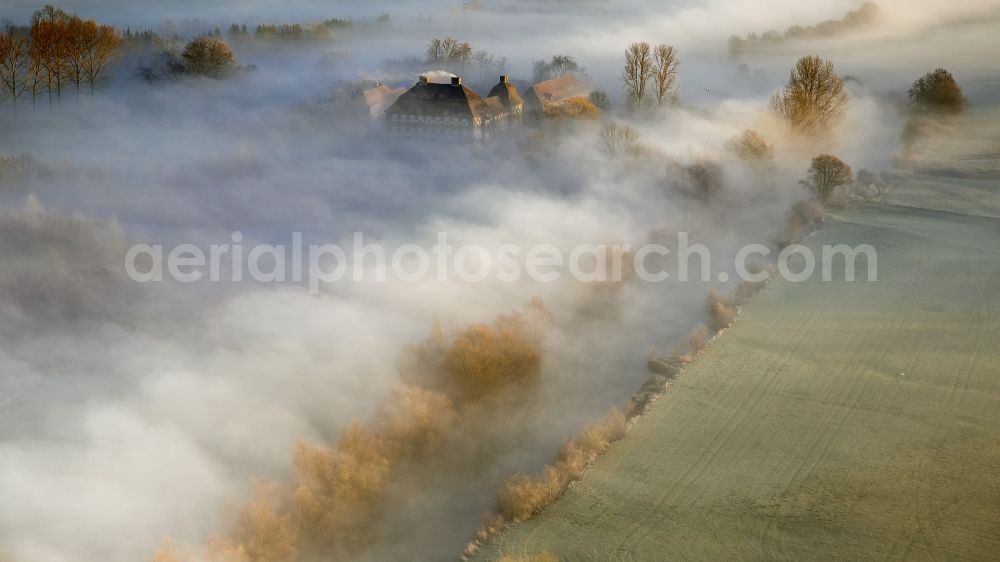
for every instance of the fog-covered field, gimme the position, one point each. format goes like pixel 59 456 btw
pixel 136 413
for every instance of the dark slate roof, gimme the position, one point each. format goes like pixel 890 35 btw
pixel 506 92
pixel 440 99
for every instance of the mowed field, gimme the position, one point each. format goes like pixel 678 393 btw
pixel 833 421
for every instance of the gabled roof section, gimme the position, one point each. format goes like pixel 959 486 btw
pixel 507 92
pixel 426 98
pixel 559 89
pixel 382 95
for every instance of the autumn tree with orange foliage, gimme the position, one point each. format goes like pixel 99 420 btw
pixel 334 501
pixel 482 359
pixel 57 50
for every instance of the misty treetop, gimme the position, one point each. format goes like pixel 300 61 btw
pixel 937 92
pixel 813 101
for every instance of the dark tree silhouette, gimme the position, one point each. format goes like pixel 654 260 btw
pixel 827 173
pixel 937 92
pixel 209 56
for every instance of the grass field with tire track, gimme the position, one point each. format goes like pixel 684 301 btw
pixel 834 420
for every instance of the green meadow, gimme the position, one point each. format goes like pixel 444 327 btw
pixel 834 420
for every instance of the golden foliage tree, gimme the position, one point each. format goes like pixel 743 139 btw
pixel 59 49
pixel 483 359
pixel 573 108
pixel 813 101
pixel 338 492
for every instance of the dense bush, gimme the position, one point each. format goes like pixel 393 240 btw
pixel 573 108
pixel 750 146
pixel 937 92
pixel 721 311
pixel 482 359
pixel 522 496
pixel 802 218
pixel 208 56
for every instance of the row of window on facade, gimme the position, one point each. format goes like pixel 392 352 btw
pixel 433 119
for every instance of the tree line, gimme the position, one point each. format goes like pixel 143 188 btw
pixel 57 51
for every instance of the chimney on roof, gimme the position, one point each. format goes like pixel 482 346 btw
pixel 504 78
pixel 456 80
pixel 423 79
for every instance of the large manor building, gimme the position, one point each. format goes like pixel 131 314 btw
pixel 455 110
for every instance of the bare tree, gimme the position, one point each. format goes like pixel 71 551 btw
pixel 814 100
pixel 13 64
pixel 35 81
pixel 616 139
pixel 559 66
pixel 826 173
pixel 665 73
pixel 449 51
pixel 639 70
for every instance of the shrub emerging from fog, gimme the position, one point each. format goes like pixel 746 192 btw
pixel 803 218
pixel 339 491
pixel 813 101
pixel 705 180
pixel 600 100
pixel 483 359
pixel 937 92
pixel 721 310
pixel 577 107
pixel 750 146
pixel 557 67
pixel 208 56
pixel 617 139
pixel 522 496
pixel 331 507
pixel 698 340
pixel 827 173
pixel 871 186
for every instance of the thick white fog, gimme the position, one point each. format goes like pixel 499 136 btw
pixel 130 413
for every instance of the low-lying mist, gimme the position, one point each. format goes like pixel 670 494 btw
pixel 381 416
